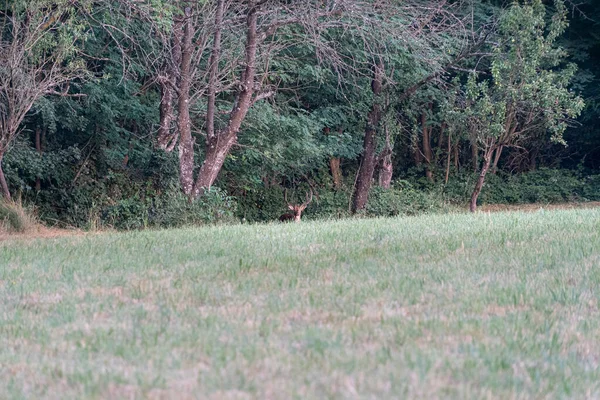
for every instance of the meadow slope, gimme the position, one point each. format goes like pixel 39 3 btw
pixel 501 305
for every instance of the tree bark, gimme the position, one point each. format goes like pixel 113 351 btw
pixel 456 156
pixel 38 148
pixel 218 147
pixel 167 136
pixel 184 124
pixel 487 158
pixel 496 159
pixel 3 184
pixel 387 171
pixel 213 162
pixel 367 166
pixel 336 172
pixel 213 70
pixel 427 152
pixel 475 154
pixel 533 159
pixel 417 154
pixel 448 157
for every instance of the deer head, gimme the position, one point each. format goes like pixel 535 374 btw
pixel 296 209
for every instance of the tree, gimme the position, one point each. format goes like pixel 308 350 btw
pixel 528 89
pixel 437 39
pixel 369 155
pixel 39 56
pixel 209 79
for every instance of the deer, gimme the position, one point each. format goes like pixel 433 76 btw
pixel 296 209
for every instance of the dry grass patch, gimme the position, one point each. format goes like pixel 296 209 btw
pixel 537 206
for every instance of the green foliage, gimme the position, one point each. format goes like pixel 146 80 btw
pixel 170 209
pixel 540 186
pixel 330 204
pixel 404 199
pixel 23 164
pixel 415 195
pixel 261 205
pixel 99 166
pixel 40 54
pixel 276 143
pixel 528 90
pixel 121 203
pixel 591 187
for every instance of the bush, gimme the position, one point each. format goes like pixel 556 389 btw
pixel 262 205
pixel 15 218
pixel 170 210
pixel 173 209
pixel 403 199
pixel 540 186
pixel 330 204
pixel 591 188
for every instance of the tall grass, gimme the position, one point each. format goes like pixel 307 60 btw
pixel 502 305
pixel 14 217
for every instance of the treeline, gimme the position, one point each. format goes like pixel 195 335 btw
pixel 163 113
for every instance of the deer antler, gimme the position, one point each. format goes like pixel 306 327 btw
pixel 285 197
pixel 308 199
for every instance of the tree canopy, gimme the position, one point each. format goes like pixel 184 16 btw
pixel 155 113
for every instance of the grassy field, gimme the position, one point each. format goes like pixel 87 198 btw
pixel 501 305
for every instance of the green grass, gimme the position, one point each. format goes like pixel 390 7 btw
pixel 452 306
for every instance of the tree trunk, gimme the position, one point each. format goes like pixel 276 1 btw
pixel 3 184
pixel 487 158
pixel 213 64
pixel 213 162
pixel 219 144
pixel 448 157
pixel 386 172
pixel 475 155
pixel 456 156
pixel 427 152
pixel 336 172
pixel 38 148
pixel 167 136
pixel 417 155
pixel 367 166
pixel 496 159
pixel 533 159
pixel 184 124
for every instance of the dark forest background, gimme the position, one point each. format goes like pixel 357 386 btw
pixel 378 108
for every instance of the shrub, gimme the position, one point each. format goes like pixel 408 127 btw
pixel 591 188
pixel 169 210
pixel 329 204
pixel 262 205
pixel 540 186
pixel 403 199
pixel 173 209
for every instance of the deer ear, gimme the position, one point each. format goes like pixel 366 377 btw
pixel 291 207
